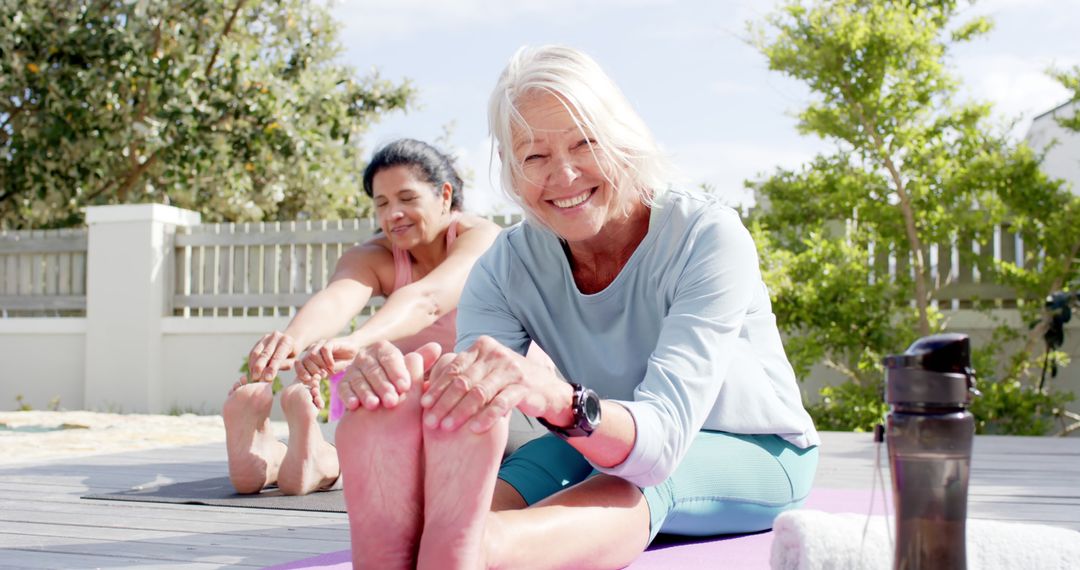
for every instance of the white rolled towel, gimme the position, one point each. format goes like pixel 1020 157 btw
pixel 815 540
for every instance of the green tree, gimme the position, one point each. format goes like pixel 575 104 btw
pixel 912 167
pixel 238 109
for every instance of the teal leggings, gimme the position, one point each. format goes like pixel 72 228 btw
pixel 727 483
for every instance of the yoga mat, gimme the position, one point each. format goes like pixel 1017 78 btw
pixel 219 492
pixel 746 551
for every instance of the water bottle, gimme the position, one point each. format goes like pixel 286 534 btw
pixel 929 432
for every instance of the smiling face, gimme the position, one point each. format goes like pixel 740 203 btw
pixel 564 180
pixel 410 212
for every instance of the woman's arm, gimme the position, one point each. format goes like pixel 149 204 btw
pixel 418 305
pixel 641 440
pixel 354 281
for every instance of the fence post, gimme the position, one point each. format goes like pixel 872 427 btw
pixel 128 292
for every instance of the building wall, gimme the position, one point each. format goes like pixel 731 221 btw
pixel 42 360
pixel 1063 157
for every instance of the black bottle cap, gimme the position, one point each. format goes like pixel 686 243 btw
pixel 935 371
pixel 946 352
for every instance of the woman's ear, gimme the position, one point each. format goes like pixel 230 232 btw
pixel 447 195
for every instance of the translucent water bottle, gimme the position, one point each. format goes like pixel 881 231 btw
pixel 929 432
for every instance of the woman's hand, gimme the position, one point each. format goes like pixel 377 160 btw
pixel 380 375
pixel 326 357
pixel 275 351
pixel 486 382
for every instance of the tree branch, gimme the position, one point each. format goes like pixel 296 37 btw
pixel 906 209
pixel 842 369
pixel 129 179
pixel 224 34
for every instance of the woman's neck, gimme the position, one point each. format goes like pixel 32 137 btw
pixel 595 263
pixel 429 255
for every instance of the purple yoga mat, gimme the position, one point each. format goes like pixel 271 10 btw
pixel 748 551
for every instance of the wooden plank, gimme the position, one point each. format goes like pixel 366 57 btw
pixel 331 251
pixel 31 559
pixel 18 532
pixel 288 275
pixel 241 524
pixel 271 237
pixel 207 271
pixel 267 300
pixel 318 261
pixel 162 551
pixel 304 260
pixel 43 302
pixel 63 273
pixel 51 274
pixel 269 275
pixel 78 273
pixel 27 243
pixel 11 274
pixel 251 271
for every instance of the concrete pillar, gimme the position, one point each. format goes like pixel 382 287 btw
pixel 128 293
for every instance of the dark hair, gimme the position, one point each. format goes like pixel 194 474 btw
pixel 426 161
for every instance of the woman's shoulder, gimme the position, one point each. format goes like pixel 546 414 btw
pixel 689 209
pixel 375 250
pixel 468 222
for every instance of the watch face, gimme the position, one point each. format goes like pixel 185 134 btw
pixel 592 408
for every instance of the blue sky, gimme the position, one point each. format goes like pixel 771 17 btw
pixel 709 97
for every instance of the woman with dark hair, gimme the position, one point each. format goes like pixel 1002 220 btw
pixel 419 262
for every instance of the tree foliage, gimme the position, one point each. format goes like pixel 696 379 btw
pixel 238 109
pixel 912 167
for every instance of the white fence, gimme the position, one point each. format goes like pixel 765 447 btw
pixel 160 310
pixel 263 269
pixel 43 272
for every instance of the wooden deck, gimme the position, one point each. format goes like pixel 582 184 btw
pixel 44 523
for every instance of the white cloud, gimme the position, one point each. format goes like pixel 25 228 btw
pixel 1018 86
pixel 380 21
pixel 726 165
pixel 724 87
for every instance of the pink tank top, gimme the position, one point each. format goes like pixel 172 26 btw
pixel 442 331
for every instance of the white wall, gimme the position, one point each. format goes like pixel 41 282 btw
pixel 201 358
pixel 1063 158
pixel 42 359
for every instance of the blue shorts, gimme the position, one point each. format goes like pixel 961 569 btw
pixel 727 483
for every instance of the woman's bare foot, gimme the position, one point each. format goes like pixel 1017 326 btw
pixel 254 454
pixel 382 465
pixel 310 462
pixel 459 480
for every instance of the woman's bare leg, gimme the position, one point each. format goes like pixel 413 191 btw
pixel 381 457
pixel 254 454
pixel 602 522
pixel 459 483
pixel 310 463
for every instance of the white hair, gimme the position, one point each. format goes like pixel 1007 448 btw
pixel 597 106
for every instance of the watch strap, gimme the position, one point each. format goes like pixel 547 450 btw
pixel 581 427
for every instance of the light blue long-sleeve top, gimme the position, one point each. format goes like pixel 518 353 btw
pixel 684 337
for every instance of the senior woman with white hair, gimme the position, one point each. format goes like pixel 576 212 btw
pixel 673 407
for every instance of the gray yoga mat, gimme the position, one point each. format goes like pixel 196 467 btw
pixel 219 492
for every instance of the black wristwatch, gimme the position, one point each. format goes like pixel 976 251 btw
pixel 586 408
